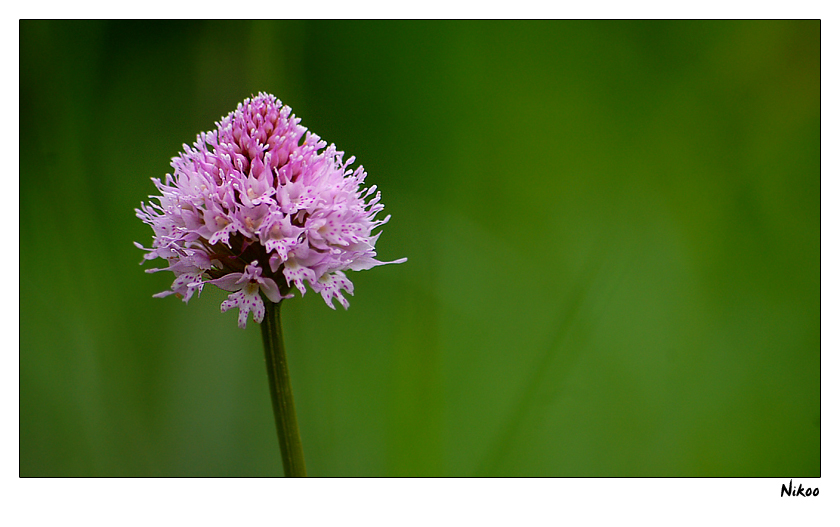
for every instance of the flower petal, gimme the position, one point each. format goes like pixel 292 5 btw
pixel 269 287
pixel 229 282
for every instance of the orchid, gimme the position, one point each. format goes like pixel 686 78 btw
pixel 261 205
pixel 257 207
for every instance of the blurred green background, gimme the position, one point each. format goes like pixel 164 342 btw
pixel 612 232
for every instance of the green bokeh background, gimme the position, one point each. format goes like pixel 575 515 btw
pixel 612 232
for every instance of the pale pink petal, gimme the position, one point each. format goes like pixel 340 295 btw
pixel 229 282
pixel 269 287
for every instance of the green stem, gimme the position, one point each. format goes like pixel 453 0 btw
pixel 281 393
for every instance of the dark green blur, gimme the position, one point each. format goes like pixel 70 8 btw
pixel 612 232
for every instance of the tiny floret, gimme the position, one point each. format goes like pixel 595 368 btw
pixel 261 205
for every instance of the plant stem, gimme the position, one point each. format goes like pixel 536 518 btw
pixel 281 393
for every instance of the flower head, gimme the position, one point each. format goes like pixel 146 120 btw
pixel 260 205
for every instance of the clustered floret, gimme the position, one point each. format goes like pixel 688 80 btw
pixel 261 204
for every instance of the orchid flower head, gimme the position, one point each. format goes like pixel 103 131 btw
pixel 260 206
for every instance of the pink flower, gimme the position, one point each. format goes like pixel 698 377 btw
pixel 247 287
pixel 260 205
